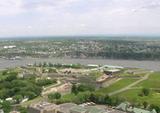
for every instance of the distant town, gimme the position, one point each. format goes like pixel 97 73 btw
pixel 80 48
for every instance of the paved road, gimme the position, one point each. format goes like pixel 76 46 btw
pixel 130 86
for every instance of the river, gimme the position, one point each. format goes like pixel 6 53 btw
pixel 151 65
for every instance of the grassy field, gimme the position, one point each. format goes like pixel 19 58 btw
pixel 118 85
pixel 132 96
pixel 152 82
pixel 153 98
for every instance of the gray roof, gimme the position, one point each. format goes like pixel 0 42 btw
pixel 65 108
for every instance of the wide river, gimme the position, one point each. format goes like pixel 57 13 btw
pixel 151 65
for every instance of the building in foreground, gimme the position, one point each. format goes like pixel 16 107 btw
pixel 44 107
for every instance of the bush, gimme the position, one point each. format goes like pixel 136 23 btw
pixel 74 89
pixel 83 88
pixel 45 82
pixel 53 96
pixel 145 91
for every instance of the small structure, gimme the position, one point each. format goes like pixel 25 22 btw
pixel 111 71
pixel 92 66
pixel 113 67
pixel 9 47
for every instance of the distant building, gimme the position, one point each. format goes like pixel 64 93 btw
pixel 92 66
pixel 113 67
pixel 9 47
pixel 111 71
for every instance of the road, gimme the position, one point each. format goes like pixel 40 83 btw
pixel 131 85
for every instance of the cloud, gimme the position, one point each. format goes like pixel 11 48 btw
pixel 11 7
pixel 79 16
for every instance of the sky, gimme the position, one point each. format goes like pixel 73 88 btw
pixel 79 17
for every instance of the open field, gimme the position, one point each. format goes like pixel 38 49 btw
pixel 152 82
pixel 118 85
pixel 132 96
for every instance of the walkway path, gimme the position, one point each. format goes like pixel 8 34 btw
pixel 131 85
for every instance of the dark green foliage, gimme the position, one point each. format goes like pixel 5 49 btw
pixel 18 98
pixel 74 89
pixel 12 86
pixel 145 104
pixel 22 109
pixel 83 88
pixel 45 82
pixel 54 96
pixel 145 91
pixel 157 108
pixel 11 76
pixel 6 106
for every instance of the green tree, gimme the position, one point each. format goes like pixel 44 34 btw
pixel 54 96
pixel 145 104
pixel 22 109
pixel 82 88
pixel 74 89
pixel 18 98
pixel 157 108
pixel 145 91
pixel 6 106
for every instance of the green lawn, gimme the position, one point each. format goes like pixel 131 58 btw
pixel 38 99
pixel 118 85
pixel 152 82
pixel 70 96
pixel 132 96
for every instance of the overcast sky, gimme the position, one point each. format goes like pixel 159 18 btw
pixel 79 17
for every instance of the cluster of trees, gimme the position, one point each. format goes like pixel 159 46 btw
pixel 45 82
pixel 11 86
pixel 53 96
pixel 84 93
pixel 87 96
pixel 81 88
pixel 6 106
pixel 18 88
